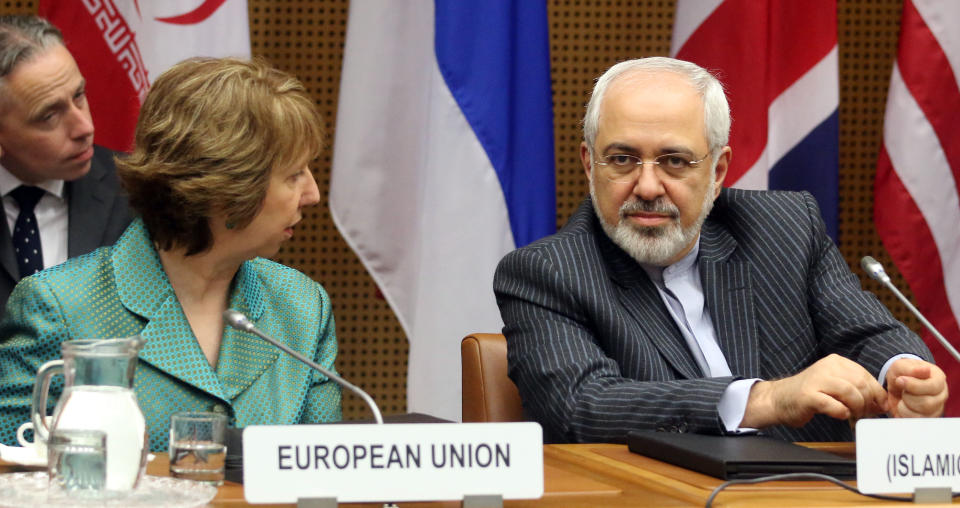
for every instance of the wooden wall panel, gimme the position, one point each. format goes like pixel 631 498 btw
pixel 306 37
pixel 586 38
pixel 18 7
pixel 867 36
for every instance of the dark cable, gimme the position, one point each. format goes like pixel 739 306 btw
pixel 804 476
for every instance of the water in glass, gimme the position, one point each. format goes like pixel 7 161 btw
pixel 77 460
pixel 198 460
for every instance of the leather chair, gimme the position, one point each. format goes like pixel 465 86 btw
pixel 488 394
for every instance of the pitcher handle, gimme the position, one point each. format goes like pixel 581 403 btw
pixel 41 389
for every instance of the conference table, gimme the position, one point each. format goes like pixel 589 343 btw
pixel 609 475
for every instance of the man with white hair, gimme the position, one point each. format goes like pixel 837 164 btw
pixel 60 192
pixel 669 303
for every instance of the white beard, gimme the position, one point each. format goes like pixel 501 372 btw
pixel 654 245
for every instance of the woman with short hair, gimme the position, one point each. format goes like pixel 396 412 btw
pixel 218 178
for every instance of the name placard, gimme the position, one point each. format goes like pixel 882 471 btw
pixel 902 454
pixel 395 462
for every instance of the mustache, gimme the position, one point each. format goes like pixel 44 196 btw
pixel 660 205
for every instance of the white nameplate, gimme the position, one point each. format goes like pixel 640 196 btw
pixel 901 454
pixel 394 462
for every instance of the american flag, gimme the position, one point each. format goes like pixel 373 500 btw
pixel 916 208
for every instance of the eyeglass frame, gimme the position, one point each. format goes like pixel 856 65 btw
pixel 639 161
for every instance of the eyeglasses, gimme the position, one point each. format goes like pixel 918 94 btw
pixel 621 165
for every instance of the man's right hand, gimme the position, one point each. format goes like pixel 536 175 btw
pixel 834 386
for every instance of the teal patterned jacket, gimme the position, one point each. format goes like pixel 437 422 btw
pixel 122 290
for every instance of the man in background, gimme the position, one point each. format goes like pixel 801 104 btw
pixel 669 303
pixel 60 193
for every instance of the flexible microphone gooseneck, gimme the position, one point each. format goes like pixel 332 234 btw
pixel 240 322
pixel 875 270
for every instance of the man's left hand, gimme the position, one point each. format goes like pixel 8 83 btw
pixel 916 389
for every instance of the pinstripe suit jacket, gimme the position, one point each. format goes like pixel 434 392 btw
pixel 595 353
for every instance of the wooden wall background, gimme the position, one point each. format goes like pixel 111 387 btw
pixel 306 37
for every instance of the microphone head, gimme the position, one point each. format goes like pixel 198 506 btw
pixel 237 320
pixel 874 269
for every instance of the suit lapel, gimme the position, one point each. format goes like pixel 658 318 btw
pixel 88 210
pixel 171 347
pixel 144 290
pixel 641 299
pixel 244 357
pixel 728 293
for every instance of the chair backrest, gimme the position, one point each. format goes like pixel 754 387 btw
pixel 488 393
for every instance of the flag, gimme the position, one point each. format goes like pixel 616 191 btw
pixel 916 208
pixel 121 46
pixel 777 60
pixel 442 163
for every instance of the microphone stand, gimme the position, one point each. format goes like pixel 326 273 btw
pixel 876 272
pixel 240 322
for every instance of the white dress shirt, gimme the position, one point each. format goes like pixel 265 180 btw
pixel 51 212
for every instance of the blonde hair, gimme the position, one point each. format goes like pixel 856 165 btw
pixel 210 132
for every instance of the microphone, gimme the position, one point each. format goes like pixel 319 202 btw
pixel 240 322
pixel 875 270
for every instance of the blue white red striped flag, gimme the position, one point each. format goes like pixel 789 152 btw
pixel 443 163
pixel 778 62
pixel 916 205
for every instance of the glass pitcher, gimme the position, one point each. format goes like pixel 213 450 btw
pixel 98 395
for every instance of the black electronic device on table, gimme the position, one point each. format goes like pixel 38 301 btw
pixel 738 457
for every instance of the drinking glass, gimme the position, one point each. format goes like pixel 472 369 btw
pixel 197 449
pixel 77 461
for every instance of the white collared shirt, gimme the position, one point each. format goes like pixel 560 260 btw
pixel 681 290
pixel 51 212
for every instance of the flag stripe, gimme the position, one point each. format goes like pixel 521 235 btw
pixel 780 70
pixel 489 70
pixel 743 83
pixel 690 14
pixel 801 46
pixel 800 110
pixel 796 47
pixel 912 246
pixel 812 166
pixel 420 168
pixel 933 189
pixel 941 17
pixel 917 204
pixel 930 80
pixel 803 106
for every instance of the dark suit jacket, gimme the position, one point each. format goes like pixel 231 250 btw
pixel 98 215
pixel 595 353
